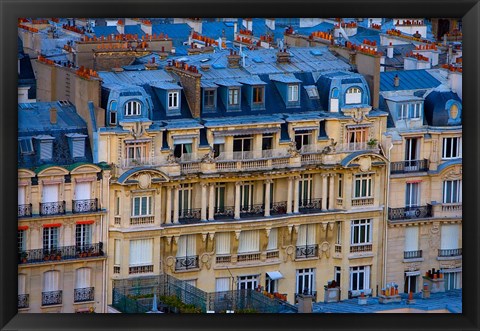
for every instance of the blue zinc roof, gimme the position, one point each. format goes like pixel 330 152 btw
pixel 409 80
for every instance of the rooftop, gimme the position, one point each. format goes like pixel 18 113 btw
pixel 409 80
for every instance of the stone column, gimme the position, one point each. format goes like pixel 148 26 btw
pixel 289 195
pixel 203 212
pixel 237 200
pixel 296 194
pixel 324 192
pixel 211 202
pixel 268 184
pixel 175 204
pixel 168 215
pixel 331 193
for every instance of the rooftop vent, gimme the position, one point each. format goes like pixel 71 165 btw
pixel 396 81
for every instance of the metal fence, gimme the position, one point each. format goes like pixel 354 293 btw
pixel 135 295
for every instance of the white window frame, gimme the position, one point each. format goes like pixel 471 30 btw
pixel 173 100
pixel 450 277
pixel 146 258
pixel 304 135
pixel 361 232
pixel 83 235
pixel 50 238
pixel 412 194
pixel 455 196
pixel 137 151
pixel 185 197
pixel 358 286
pixel 246 195
pixel 133 108
pixel 455 143
pixel 305 189
pixel 305 274
pixel 233 96
pixel 22 240
pixel 26 145
pixel 365 183
pixel 293 95
pixel 248 282
pixel 148 211
pixel 353 95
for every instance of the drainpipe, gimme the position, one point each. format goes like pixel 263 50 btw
pixel 385 215
pixel 105 247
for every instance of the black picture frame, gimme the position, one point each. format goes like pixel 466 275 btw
pixel 469 10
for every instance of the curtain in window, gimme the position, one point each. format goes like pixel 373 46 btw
pixel 249 241
pixel 21 195
pixel 449 236
pixel 222 284
pixel 83 278
pixel 222 243
pixel 411 238
pixel 141 252
pixel 117 252
pixel 22 281
pixel 51 281
pixel 186 245
pixel 273 239
pixel 50 193
pixel 82 191
pixel 306 235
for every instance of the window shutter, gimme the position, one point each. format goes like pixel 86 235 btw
pixel 22 279
pixel 83 279
pixel 141 252
pixel 222 284
pixel 50 193
pixel 82 191
pixel 249 241
pixel 366 281
pixel 46 149
pixel 273 239
pixel 78 147
pixel 449 236
pixel 21 195
pixel 117 253
pixel 222 241
pixel 411 239
pixel 51 281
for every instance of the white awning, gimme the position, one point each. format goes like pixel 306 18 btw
pixel 412 273
pixel 446 271
pixel 274 275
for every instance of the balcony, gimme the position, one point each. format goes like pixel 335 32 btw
pixel 338 248
pixel 225 212
pixel 25 210
pixel 252 160
pixel 412 255
pixel 189 216
pixel 278 208
pixel 52 208
pixel 248 257
pixel 360 248
pixel 223 259
pixel 307 206
pixel 456 252
pixel 140 220
pixel 252 210
pixel 140 269
pixel 51 298
pixel 23 301
pixel 273 254
pixel 360 202
pixel 186 263
pixel 409 166
pixel 84 206
pixel 141 161
pixel 307 251
pixel 83 294
pixel 61 253
pixel 410 212
pixel 355 147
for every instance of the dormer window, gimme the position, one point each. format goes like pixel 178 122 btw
pixel 312 92
pixel 409 111
pixel 209 98
pixel 26 146
pixel 292 93
pixel 173 100
pixel 258 94
pixel 353 95
pixel 77 144
pixel 132 108
pixel 233 96
pixel 45 146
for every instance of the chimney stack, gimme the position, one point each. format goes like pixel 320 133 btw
pixel 233 60
pixel 396 81
pixel 283 56
pixel 390 51
pixel 53 115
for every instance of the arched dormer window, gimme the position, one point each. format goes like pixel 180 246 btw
pixel 334 100
pixel 132 108
pixel 353 95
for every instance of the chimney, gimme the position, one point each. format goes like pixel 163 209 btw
pixel 120 27
pixel 283 56
pixel 390 51
pixel 53 115
pixel 190 80
pixel 233 60
pixel 396 81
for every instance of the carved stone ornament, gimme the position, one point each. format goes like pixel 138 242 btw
pixel 292 148
pixel 171 159
pixel 144 181
pixel 138 130
pixel 357 115
pixel 206 260
pixel 365 163
pixel 170 263
pixel 325 248
pixel 434 240
pixel 330 148
pixel 453 174
pixel 209 157
pixel 289 250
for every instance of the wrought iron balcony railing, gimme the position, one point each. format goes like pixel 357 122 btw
pixel 61 253
pixel 278 208
pixel 23 301
pixel 83 294
pixel 359 248
pixel 409 166
pixel 189 215
pixel 303 252
pixel 84 206
pixel 450 252
pixel 52 208
pixel 225 212
pixel 410 212
pixel 186 262
pixel 306 206
pixel 25 210
pixel 412 254
pixel 51 298
pixel 252 210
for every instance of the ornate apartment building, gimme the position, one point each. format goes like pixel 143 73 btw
pixel 424 140
pixel 61 213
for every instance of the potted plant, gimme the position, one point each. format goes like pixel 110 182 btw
pixel 332 292
pixel 58 256
pixel 23 257
pixel 372 142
